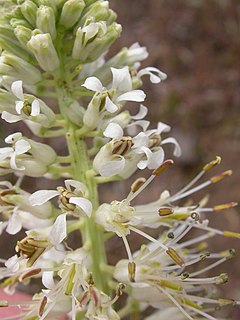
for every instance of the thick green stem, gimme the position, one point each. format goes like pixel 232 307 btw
pixel 81 164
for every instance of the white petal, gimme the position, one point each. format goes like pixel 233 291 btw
pixel 79 186
pixel 19 106
pixel 47 280
pixel 12 138
pixel 14 224
pixel 141 113
pixel 177 149
pixel 13 164
pixel 110 168
pixel 93 83
pixel 122 80
pixel 35 108
pixel 142 123
pixel 162 127
pixel 141 140
pixel 134 95
pixel 22 146
pixel 5 153
pixel 41 196
pixel 156 159
pixel 10 118
pixel 113 131
pixel 142 164
pixel 110 106
pixel 13 263
pixel 82 203
pixel 17 89
pixel 59 230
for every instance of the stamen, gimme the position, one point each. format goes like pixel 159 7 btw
pixel 42 306
pixel 165 211
pixel 231 234
pixel 212 164
pixel 221 176
pixel 129 253
pixel 175 256
pixel 225 206
pixel 163 167
pixel 202 313
pixel 137 184
pixel 131 271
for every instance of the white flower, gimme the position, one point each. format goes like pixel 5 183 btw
pixel 28 108
pixel 73 201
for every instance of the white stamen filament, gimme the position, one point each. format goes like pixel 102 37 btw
pixel 133 195
pixel 202 313
pixel 196 240
pixel 211 266
pixel 129 253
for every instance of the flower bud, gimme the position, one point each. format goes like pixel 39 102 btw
pixel 32 167
pixel 49 3
pixel 15 22
pixel 42 152
pixel 98 11
pixel 29 11
pixel 7 101
pixel 92 114
pixel 18 68
pixel 23 34
pixel 71 13
pixel 44 51
pixel 46 20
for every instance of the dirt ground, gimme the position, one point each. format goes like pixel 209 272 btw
pixel 197 44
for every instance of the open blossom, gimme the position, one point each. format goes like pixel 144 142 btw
pixel 73 201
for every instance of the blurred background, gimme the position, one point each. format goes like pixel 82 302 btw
pixel 197 43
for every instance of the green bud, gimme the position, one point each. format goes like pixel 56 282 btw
pixel 46 20
pixel 18 68
pixel 42 152
pixel 71 12
pixel 14 22
pixel 49 3
pixel 23 34
pixel 98 11
pixel 43 49
pixel 7 101
pixel 29 11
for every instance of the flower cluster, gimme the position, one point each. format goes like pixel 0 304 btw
pixel 56 79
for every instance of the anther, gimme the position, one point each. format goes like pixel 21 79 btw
pixel 221 176
pixel 42 306
pixel 131 271
pixel 212 164
pixel 170 235
pixel 195 216
pixel 163 167
pixel 120 288
pixel 137 184
pixel 165 211
pixel 185 275
pixel 222 279
pixel 121 147
pixel 231 234
pixel 175 256
pixel 225 206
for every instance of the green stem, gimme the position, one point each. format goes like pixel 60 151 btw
pixel 81 164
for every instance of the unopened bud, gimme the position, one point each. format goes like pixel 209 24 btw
pixel 43 49
pixel 131 271
pixel 222 279
pixel 137 184
pixel 225 206
pixel 23 34
pixel 212 164
pixel 165 211
pixel 165 165
pixel 15 22
pixel 29 11
pixel 46 20
pixel 221 176
pixel 175 256
pixel 71 12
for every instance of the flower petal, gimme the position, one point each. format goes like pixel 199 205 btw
pixel 110 106
pixel 113 131
pixel 162 127
pixel 17 89
pixel 14 224
pixel 59 230
pixel 83 204
pixel 110 168
pixel 19 106
pixel 22 146
pixel 134 95
pixel 141 113
pixel 41 196
pixel 47 280
pixel 177 149
pixel 79 186
pixel 10 118
pixel 156 159
pixel 122 80
pixel 35 108
pixel 12 138
pixel 93 83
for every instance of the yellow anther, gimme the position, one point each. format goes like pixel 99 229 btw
pixel 212 164
pixel 231 234
pixel 175 256
pixel 131 271
pixel 225 206
pixel 222 279
pixel 165 211
pixel 221 176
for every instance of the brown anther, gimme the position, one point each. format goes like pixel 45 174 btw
pixel 29 274
pixel 175 256
pixel 131 271
pixel 165 211
pixel 90 280
pixel 64 197
pixel 225 206
pixel 221 176
pixel 137 184
pixel 163 167
pixel 122 146
pixel 212 164
pixel 119 289
pixel 42 306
